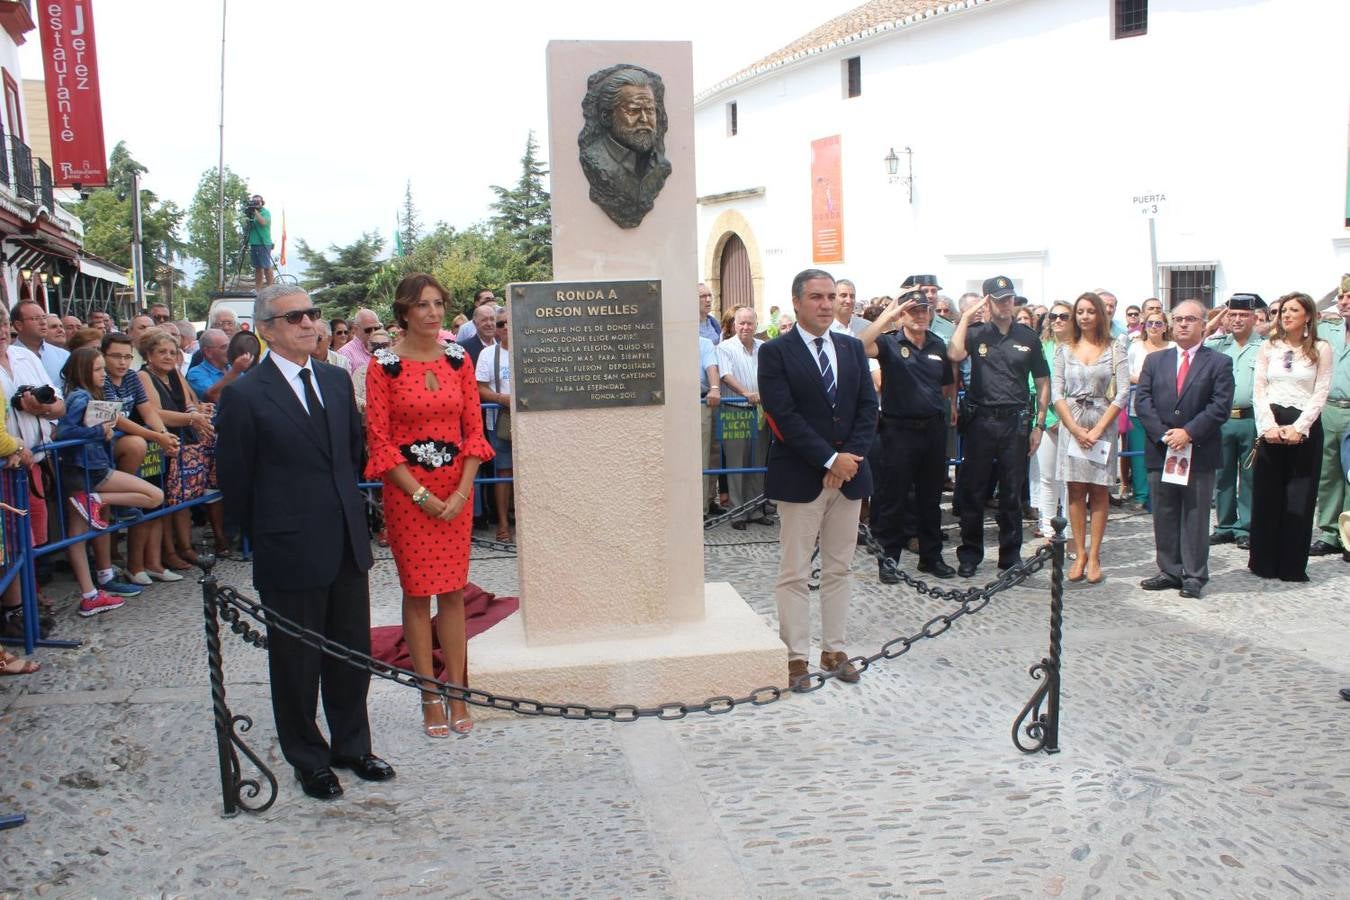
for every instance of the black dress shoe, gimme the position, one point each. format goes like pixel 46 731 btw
pixel 1345 693
pixel 1005 566
pixel 1243 543
pixel 1322 548
pixel 739 526
pixel 765 520
pixel 1160 582
pixel 1190 591
pixel 937 568
pixel 321 784
pixel 368 767
pixel 1220 537
pixel 885 575
pixel 966 570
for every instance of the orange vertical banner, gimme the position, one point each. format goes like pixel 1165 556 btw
pixel 827 201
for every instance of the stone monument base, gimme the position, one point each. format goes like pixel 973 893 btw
pixel 730 651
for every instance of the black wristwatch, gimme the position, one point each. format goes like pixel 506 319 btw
pixel 1040 425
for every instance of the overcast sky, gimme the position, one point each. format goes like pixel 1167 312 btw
pixel 331 106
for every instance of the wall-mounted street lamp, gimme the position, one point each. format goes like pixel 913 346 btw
pixel 25 273
pixel 893 175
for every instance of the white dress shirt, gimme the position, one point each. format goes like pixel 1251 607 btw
pixel 291 372
pixel 741 364
pixel 831 354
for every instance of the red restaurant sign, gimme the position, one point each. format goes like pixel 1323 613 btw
pixel 74 113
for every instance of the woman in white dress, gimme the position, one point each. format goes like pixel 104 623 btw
pixel 1091 381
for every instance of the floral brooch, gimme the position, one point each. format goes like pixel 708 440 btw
pixel 389 361
pixel 430 454
pixel 455 354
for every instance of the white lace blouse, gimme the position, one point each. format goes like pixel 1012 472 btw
pixel 1285 377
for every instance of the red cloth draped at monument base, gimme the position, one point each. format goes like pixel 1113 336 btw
pixel 481 611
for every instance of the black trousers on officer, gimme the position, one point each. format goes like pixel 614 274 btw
pixel 1284 496
pixel 993 444
pixel 914 467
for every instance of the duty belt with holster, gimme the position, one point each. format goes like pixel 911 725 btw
pixel 1241 412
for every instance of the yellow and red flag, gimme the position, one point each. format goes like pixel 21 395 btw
pixel 281 259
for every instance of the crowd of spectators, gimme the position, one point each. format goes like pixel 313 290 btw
pixel 159 447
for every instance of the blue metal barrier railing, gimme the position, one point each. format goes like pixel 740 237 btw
pixel 27 554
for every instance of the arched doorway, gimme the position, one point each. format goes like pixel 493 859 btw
pixel 737 286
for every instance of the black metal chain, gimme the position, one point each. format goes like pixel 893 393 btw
pixel 231 603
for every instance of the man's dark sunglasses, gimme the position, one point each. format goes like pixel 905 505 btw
pixel 371 328
pixel 294 316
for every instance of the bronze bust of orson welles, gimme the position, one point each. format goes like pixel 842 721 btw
pixel 623 141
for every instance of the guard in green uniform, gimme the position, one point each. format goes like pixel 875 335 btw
pixel 1332 496
pixel 1237 436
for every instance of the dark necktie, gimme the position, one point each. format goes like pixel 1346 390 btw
pixel 317 414
pixel 826 371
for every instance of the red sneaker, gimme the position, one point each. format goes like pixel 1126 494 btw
pixel 90 508
pixel 100 603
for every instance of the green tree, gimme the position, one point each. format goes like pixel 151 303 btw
pixel 106 216
pixel 410 225
pixel 342 283
pixel 204 233
pixel 524 214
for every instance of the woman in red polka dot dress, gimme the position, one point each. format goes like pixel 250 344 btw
pixel 425 430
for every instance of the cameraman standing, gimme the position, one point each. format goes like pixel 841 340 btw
pixel 259 241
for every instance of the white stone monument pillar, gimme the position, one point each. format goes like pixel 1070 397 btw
pixel 608 500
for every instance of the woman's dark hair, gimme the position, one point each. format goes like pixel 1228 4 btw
pixel 409 291
pixel 79 371
pixel 1102 338
pixel 334 322
pixel 242 342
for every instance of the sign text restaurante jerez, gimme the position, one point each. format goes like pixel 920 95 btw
pixel 74 113
pixel 586 344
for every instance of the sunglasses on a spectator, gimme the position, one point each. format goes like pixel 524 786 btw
pixel 369 329
pixel 342 333
pixel 294 316
pixel 1057 317
pixel 1155 324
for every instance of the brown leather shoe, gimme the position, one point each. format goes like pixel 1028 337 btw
pixel 797 674
pixel 830 662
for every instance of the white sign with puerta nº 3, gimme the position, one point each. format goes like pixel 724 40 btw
pixel 1149 203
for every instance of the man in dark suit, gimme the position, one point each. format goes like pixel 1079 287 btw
pixel 822 409
pixel 1184 397
pixel 288 462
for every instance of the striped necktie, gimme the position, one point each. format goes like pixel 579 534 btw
pixel 826 371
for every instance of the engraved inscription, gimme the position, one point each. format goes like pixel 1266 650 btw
pixel 579 345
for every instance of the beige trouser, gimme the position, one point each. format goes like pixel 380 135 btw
pixel 834 518
pixel 1344 524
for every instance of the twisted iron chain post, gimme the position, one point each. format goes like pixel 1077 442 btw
pixel 215 664
pixel 1041 728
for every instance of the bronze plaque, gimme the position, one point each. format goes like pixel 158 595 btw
pixel 586 344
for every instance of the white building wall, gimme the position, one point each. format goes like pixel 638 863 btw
pixel 1032 130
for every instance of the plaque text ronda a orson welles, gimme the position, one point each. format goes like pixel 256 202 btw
pixel 623 141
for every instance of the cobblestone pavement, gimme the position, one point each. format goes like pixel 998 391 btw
pixel 1204 754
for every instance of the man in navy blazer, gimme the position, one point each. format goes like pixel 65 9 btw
pixel 822 409
pixel 1183 398
pixel 288 460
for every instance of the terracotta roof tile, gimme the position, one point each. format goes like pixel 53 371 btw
pixel 863 21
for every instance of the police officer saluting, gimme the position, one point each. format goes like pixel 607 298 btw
pixel 930 287
pixel 1237 435
pixel 917 404
pixel 1001 431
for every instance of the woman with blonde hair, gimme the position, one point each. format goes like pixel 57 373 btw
pixel 1054 333
pixel 1292 380
pixel 1090 383
pixel 1157 335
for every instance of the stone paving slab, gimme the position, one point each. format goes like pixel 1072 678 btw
pixel 1203 756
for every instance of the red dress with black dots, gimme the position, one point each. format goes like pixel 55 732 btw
pixel 431 431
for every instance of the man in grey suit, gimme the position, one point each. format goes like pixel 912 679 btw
pixel 1183 398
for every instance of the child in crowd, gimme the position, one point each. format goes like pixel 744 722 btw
pixel 88 476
